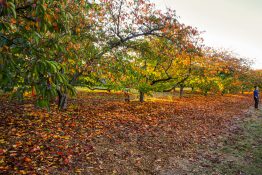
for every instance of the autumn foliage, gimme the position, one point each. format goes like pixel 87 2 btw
pixel 48 48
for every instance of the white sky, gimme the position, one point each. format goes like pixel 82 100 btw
pixel 232 24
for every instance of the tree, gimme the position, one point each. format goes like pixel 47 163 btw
pixel 151 64
pixel 220 72
pixel 34 43
pixel 119 26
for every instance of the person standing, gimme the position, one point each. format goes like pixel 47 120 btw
pixel 256 97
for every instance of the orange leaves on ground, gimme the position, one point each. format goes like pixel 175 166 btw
pixel 27 159
pixel 101 134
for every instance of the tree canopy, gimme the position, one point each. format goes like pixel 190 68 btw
pixel 48 47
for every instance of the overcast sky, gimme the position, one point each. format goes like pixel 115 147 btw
pixel 232 24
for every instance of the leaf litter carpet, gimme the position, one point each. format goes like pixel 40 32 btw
pixel 101 134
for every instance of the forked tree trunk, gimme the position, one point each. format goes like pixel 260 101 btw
pixel 141 96
pixel 181 93
pixel 62 100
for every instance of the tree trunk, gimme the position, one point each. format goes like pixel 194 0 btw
pixel 141 96
pixel 62 100
pixel 127 96
pixel 181 93
pixel 192 88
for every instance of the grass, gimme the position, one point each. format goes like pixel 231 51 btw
pixel 241 151
pixel 246 148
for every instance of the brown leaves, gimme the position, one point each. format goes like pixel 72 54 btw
pixel 100 133
pixel 27 159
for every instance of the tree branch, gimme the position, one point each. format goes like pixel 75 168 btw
pixel 161 80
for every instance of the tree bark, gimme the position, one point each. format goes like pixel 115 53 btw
pixel 192 89
pixel 127 96
pixel 141 96
pixel 181 93
pixel 62 100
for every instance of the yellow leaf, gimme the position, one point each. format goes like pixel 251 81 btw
pixel 22 172
pixel 65 137
pixel 2 141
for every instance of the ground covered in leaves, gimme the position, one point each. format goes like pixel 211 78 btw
pixel 101 134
